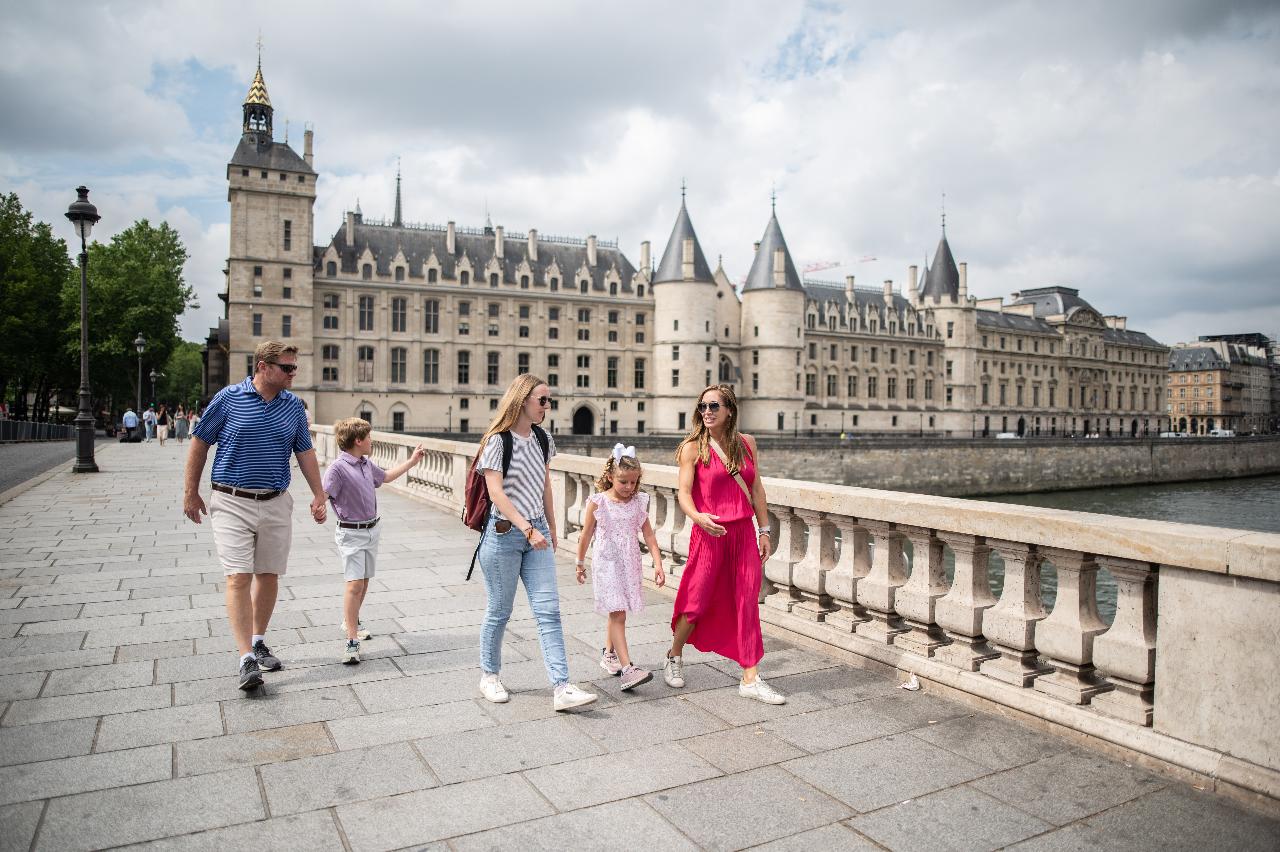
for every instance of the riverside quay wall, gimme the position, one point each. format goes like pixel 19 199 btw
pixel 964 467
pixel 1182 678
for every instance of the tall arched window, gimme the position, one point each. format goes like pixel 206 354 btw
pixel 364 364
pixel 432 275
pixel 331 269
pixel 493 279
pixel 464 278
pixel 366 272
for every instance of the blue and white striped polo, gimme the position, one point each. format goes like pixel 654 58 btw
pixel 255 438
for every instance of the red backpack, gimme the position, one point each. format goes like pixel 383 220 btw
pixel 476 504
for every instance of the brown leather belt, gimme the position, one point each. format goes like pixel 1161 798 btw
pixel 361 525
pixel 248 495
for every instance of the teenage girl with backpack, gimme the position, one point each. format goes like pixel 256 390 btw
pixel 519 540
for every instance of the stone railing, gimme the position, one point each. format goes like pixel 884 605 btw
pixel 1185 673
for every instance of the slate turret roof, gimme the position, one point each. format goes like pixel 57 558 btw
pixel 943 279
pixel 761 275
pixel 672 266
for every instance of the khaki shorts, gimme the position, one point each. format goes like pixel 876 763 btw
pixel 358 550
pixel 252 536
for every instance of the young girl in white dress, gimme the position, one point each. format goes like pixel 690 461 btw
pixel 619 512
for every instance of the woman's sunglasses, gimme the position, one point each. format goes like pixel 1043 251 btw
pixel 709 406
pixel 543 400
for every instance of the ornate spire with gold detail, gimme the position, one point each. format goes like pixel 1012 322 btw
pixel 258 89
pixel 257 109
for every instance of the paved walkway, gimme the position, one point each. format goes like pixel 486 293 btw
pixel 121 723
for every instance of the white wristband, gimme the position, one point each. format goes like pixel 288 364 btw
pixel 766 530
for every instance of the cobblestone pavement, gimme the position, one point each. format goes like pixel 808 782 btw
pixel 121 723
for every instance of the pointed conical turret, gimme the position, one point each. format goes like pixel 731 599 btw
pixel 672 266
pixel 769 269
pixel 943 278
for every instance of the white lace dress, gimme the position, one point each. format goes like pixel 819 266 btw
pixel 616 570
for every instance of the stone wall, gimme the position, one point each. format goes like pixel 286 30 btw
pixel 971 468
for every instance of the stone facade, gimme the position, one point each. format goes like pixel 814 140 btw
pixel 1218 384
pixel 420 327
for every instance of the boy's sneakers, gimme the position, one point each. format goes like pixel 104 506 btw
pixel 609 662
pixel 362 632
pixel 250 674
pixel 673 672
pixel 632 676
pixel 493 690
pixel 266 660
pixel 568 696
pixel 351 655
pixel 761 691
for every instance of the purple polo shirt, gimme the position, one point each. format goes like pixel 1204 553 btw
pixel 350 482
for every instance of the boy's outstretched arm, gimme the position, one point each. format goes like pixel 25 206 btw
pixel 401 469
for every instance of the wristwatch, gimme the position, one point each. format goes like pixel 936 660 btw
pixel 765 530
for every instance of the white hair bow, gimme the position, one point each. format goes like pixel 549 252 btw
pixel 619 451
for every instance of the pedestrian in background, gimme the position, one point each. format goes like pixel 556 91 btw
pixel 180 423
pixel 149 421
pixel 163 421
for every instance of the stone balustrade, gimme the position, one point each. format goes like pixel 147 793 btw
pixel 1185 673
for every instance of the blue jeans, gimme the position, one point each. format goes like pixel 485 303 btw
pixel 504 559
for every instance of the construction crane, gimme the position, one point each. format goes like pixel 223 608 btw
pixel 819 266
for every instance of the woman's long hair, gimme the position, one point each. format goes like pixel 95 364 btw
pixel 509 408
pixel 701 436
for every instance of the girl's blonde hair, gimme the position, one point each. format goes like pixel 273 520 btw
pixel 511 404
pixel 611 467
pixel 700 436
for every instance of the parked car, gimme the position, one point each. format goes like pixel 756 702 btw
pixel 1175 435
pixel 1222 433
pixel 1007 435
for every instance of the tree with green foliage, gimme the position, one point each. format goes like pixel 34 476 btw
pixel 135 285
pixel 34 363
pixel 183 379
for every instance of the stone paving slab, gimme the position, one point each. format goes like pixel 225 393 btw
pixel 121 723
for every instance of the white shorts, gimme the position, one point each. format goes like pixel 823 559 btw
pixel 358 550
pixel 252 536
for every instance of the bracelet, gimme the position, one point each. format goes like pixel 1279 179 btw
pixel 765 530
pixel 528 531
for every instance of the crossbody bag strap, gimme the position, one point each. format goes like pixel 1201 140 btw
pixel 724 460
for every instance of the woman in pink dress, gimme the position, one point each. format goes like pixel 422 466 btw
pixel 717 608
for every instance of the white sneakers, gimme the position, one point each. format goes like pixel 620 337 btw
pixel 569 696
pixel 493 690
pixel 673 672
pixel 761 691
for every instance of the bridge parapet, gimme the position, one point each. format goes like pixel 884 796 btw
pixel 1185 672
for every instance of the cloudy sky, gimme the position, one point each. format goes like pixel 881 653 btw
pixel 1131 149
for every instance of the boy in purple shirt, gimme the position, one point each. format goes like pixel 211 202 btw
pixel 349 483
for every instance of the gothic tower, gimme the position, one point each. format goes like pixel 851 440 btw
pixel 271 191
pixel 773 302
pixel 686 356
pixel 945 293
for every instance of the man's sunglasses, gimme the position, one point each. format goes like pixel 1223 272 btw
pixel 288 368
pixel 709 406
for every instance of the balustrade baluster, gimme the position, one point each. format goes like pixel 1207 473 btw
pixel 876 591
pixel 1126 653
pixel 852 564
pixel 1065 639
pixel 810 573
pixel 960 611
pixel 672 524
pixel 918 597
pixel 778 570
pixel 1010 625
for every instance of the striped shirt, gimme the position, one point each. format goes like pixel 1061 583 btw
pixel 255 438
pixel 527 475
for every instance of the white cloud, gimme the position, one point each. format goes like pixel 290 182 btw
pixel 1127 149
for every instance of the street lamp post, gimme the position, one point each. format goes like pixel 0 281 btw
pixel 83 215
pixel 449 414
pixel 154 376
pixel 140 343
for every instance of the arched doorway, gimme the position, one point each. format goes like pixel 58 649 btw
pixel 1022 427
pixel 1133 429
pixel 584 421
pixel 1086 427
pixel 727 374
pixel 1195 426
pixel 1182 424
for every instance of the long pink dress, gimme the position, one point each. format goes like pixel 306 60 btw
pixel 720 586
pixel 617 575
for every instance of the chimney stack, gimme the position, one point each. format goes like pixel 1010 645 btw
pixel 533 245
pixel 351 228
pixel 645 258
pixel 498 244
pixel 591 250
pixel 964 280
pixel 911 283
pixel 756 250
pixel 888 291
pixel 307 137
pixel 848 288
pixel 451 239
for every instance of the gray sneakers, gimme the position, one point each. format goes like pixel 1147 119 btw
pixel 673 672
pixel 250 675
pixel 266 660
pixel 633 677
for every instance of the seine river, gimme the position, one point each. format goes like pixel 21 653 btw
pixel 1252 503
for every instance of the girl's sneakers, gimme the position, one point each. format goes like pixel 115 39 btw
pixel 493 690
pixel 609 662
pixel 632 676
pixel 362 632
pixel 761 691
pixel 351 655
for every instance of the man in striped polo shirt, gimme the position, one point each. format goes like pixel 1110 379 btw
pixel 256 424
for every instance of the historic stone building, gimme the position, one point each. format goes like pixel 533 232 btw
pixel 1221 382
pixel 420 327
